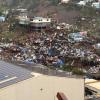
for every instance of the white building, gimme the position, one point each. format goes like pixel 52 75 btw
pixel 37 22
pixel 65 1
pixel 40 21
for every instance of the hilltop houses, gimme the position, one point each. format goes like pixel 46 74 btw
pixel 95 4
pixel 38 22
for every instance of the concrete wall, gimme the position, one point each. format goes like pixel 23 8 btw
pixel 44 88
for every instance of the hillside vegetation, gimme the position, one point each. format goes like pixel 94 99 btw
pixel 44 8
pixel 51 8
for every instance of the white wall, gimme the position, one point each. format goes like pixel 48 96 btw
pixel 31 89
pixel 41 20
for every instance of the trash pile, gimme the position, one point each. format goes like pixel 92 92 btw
pixel 51 49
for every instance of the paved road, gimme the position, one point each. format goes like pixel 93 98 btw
pixel 10 74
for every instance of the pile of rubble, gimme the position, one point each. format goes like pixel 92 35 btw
pixel 53 49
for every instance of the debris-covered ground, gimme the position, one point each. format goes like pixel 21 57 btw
pixel 53 49
pixel 71 46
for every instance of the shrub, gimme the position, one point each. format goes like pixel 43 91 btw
pixel 66 68
pixel 77 71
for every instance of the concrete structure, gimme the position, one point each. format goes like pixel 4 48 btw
pixel 93 86
pixel 40 22
pixel 22 84
pixel 35 22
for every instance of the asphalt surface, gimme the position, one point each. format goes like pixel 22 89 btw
pixel 11 74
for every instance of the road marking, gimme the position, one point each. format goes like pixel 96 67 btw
pixel 7 80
